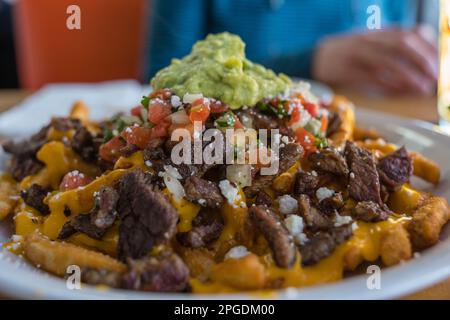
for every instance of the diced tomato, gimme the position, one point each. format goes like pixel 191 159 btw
pixel 217 106
pixel 312 108
pixel 136 111
pixel 161 130
pixel 109 151
pixel 158 110
pixel 295 116
pixel 237 123
pixel 73 180
pixel 306 140
pixel 199 110
pixel 161 93
pixel 139 136
pixel 324 122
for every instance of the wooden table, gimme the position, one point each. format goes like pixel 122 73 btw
pixel 413 107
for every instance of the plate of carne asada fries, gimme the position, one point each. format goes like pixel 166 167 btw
pixel 225 181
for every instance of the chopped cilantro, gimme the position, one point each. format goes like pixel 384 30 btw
pixel 145 101
pixel 227 120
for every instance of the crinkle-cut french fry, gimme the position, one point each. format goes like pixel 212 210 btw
pixel 427 222
pixel 426 168
pixel 345 109
pixel 361 134
pixel 395 245
pixel 8 195
pixel 55 256
pixel 80 111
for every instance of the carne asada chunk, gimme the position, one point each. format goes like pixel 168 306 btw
pixel 278 237
pixel 331 204
pixel 305 183
pixel 364 184
pixel 334 122
pixel 105 213
pixel 147 217
pixel 200 236
pixel 205 193
pixel 81 223
pixel 163 273
pixel 314 219
pixel 262 198
pixel 322 244
pixel 65 123
pixel 24 161
pixel 83 143
pixel 370 211
pixel 395 169
pixel 329 160
pixel 288 156
pixel 34 197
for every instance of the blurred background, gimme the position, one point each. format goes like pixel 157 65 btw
pixel 334 41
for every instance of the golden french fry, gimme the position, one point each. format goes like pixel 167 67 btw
pixel 427 222
pixel 395 245
pixel 55 256
pixel 426 168
pixel 284 182
pixel 361 134
pixel 80 111
pixel 345 110
pixel 8 195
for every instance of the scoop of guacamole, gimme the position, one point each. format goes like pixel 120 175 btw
pixel 217 68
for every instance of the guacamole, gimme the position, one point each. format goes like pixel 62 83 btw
pixel 217 68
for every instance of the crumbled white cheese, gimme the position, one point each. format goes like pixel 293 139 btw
pixel 191 97
pixel 323 193
pixel 148 163
pixel 354 226
pixel 294 224
pixel 171 178
pixel 342 220
pixel 201 202
pixel 285 139
pixel 175 101
pixel 288 204
pixel 237 253
pixel 352 175
pixel 229 191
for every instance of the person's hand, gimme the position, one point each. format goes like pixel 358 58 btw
pixel 394 61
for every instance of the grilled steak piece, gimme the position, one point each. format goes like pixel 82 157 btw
pixel 24 161
pixel 147 217
pixel 278 237
pixel 329 160
pixel 288 156
pixel 163 273
pixel 205 193
pixel 370 211
pixel 395 169
pixel 65 123
pixel 105 213
pixel 201 235
pixel 334 122
pixel 34 197
pixel 322 244
pixel 305 183
pixel 262 198
pixel 83 144
pixel 364 184
pixel 331 204
pixel 314 219
pixel 81 223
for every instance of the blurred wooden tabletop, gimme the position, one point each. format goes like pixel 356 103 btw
pixel 412 107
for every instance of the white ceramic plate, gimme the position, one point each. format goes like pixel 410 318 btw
pixel 18 279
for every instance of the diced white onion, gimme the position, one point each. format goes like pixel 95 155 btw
pixel 191 97
pixel 180 117
pixel 174 186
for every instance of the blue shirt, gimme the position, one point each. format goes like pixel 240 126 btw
pixel 280 34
